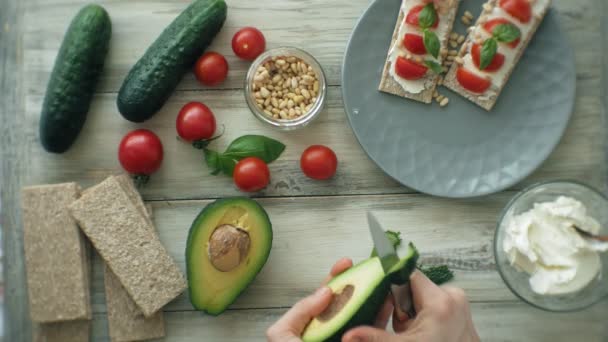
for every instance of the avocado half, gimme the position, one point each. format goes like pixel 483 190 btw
pixel 359 294
pixel 228 244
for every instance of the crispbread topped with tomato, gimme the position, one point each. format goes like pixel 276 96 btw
pixel 493 48
pixel 414 58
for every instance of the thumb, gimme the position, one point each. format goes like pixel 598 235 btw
pixel 368 334
pixel 306 309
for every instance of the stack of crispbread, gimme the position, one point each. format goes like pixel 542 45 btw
pixel 140 276
pixel 57 264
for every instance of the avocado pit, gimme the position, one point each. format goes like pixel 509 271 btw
pixel 338 302
pixel 228 247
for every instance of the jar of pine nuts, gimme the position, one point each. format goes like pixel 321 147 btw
pixel 286 88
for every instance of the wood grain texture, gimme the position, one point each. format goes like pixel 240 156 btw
pixel 517 323
pixel 310 232
pixel 11 152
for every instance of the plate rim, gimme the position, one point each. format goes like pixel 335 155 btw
pixel 568 54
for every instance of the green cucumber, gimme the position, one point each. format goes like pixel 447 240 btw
pixel 156 75
pixel 77 68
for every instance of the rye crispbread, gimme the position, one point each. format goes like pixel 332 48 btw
pixel 55 255
pixel 70 331
pixel 120 234
pixel 388 83
pixel 126 322
pixel 486 101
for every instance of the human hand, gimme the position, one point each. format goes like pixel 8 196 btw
pixel 443 315
pixel 289 328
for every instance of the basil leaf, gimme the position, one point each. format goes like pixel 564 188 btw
pixel 488 51
pixel 434 66
pixel 212 159
pixel 428 16
pixel 431 43
pixel 259 146
pixel 506 33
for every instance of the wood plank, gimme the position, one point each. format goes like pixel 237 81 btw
pixel 183 175
pixel 11 151
pixel 496 322
pixel 321 27
pixel 457 233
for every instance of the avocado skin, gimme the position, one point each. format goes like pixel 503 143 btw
pixel 191 243
pixel 366 315
pixel 77 68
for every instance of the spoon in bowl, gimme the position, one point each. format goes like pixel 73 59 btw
pixel 586 234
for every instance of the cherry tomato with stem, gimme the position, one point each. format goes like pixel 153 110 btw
pixel 248 43
pixel 211 69
pixel 251 174
pixel 195 123
pixel 140 153
pixel 319 162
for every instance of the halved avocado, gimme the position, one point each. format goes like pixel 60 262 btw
pixel 358 296
pixel 228 244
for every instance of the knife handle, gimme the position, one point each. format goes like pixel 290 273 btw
pixel 403 299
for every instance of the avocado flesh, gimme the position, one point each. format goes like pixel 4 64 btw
pixel 212 290
pixel 371 286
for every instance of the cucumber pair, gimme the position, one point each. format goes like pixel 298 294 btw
pixel 148 85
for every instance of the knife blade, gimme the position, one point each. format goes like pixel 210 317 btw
pixel 384 247
pixel 388 258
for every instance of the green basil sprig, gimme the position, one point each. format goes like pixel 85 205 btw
pixel 504 33
pixel 434 66
pixel 426 19
pixel 259 146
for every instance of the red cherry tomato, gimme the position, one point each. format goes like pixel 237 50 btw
pixel 408 69
pixel 319 162
pixel 251 174
pixel 211 69
pixel 490 25
pixel 412 16
pixel 140 152
pixel 414 43
pixel 472 82
pixel 497 61
pixel 195 121
pixel 248 43
pixel 519 9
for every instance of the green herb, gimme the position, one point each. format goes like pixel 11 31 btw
pixel 488 51
pixel 428 16
pixel 259 146
pixel 434 66
pixel 504 33
pixel 431 43
pixel 437 274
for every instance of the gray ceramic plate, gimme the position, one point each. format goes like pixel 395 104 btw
pixel 460 150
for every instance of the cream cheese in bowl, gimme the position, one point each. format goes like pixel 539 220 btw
pixel 543 243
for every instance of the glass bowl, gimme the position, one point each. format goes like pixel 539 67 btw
pixel 286 124
pixel 518 282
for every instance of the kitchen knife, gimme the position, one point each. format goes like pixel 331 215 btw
pixel 388 258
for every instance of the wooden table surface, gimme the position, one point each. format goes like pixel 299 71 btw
pixel 315 223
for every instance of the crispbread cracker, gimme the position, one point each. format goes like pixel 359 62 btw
pixel 55 256
pixel 70 331
pixel 483 100
pixel 120 233
pixel 388 83
pixel 126 322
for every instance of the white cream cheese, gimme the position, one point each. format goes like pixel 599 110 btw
pixel 499 77
pixel 543 243
pixel 397 50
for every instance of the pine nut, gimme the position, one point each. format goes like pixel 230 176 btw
pixel 444 102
